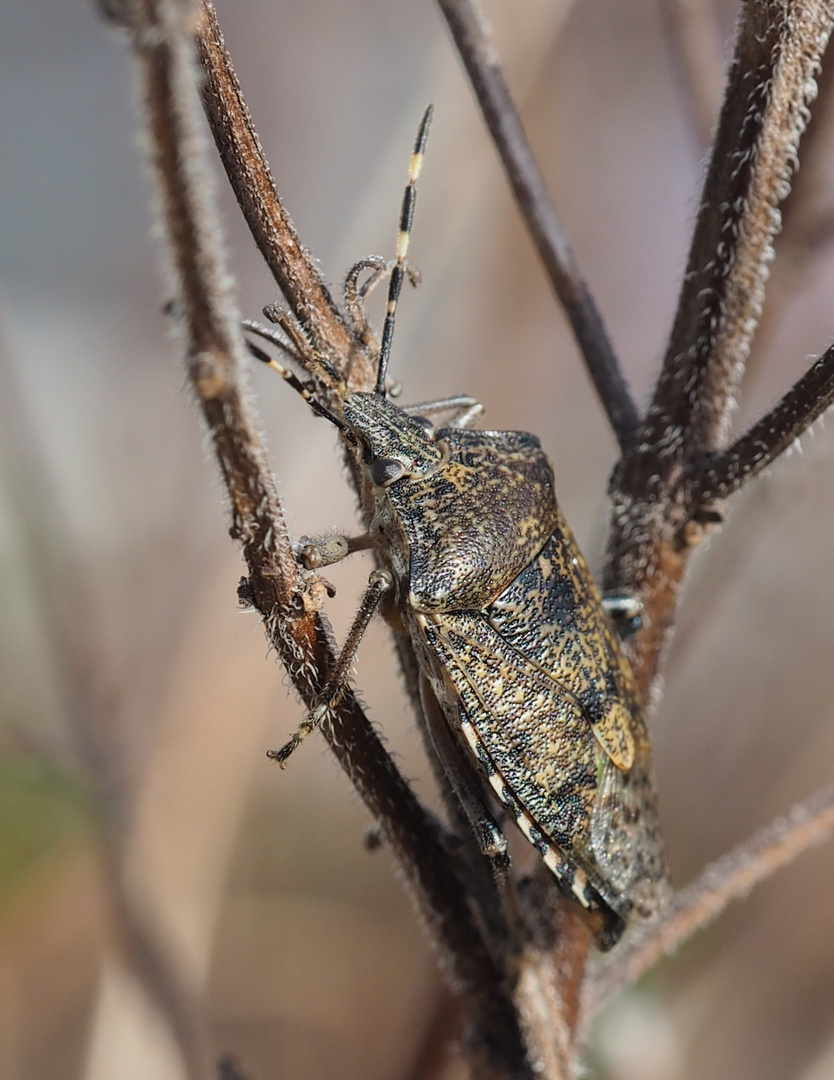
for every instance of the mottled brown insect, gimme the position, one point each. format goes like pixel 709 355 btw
pixel 510 636
pixel 509 629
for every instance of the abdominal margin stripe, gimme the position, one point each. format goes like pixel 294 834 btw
pixel 550 853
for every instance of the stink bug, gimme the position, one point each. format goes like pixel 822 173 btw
pixel 509 631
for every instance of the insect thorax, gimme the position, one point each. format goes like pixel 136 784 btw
pixel 472 508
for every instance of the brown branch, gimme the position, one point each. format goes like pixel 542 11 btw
pixel 658 516
pixel 729 878
pixel 286 596
pixel 251 179
pixel 771 82
pixel 474 43
pixel 805 402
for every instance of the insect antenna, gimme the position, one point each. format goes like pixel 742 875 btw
pixel 398 273
pixel 300 388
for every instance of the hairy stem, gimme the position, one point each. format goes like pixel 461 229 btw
pixel 723 474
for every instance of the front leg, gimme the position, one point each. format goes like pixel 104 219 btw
pixel 315 552
pixel 379 584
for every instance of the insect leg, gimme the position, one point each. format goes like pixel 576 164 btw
pixel 310 357
pixel 464 783
pixel 268 334
pixel 464 410
pixel 379 583
pixel 323 551
pixel 355 293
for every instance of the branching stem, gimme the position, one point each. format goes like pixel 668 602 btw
pixel 723 474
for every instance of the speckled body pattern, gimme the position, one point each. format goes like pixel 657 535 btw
pixel 509 628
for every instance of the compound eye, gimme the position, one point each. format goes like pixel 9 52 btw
pixel 426 425
pixel 384 471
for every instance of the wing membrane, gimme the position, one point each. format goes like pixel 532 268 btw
pixel 552 762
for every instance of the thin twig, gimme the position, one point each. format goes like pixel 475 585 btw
pixel 285 595
pixel 729 878
pixel 474 43
pixel 805 402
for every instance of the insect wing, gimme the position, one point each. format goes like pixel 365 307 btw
pixel 549 710
pixel 552 614
pixel 625 837
pixel 531 738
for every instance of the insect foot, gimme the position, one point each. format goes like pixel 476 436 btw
pixel 379 583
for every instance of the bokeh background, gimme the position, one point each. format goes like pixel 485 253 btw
pixel 161 884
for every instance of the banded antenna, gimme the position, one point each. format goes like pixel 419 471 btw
pixel 398 273
pixel 299 387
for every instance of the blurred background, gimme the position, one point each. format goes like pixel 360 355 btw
pixel 166 892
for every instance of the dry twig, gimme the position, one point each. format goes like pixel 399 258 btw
pixel 730 878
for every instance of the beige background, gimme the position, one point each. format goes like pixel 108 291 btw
pixel 255 883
